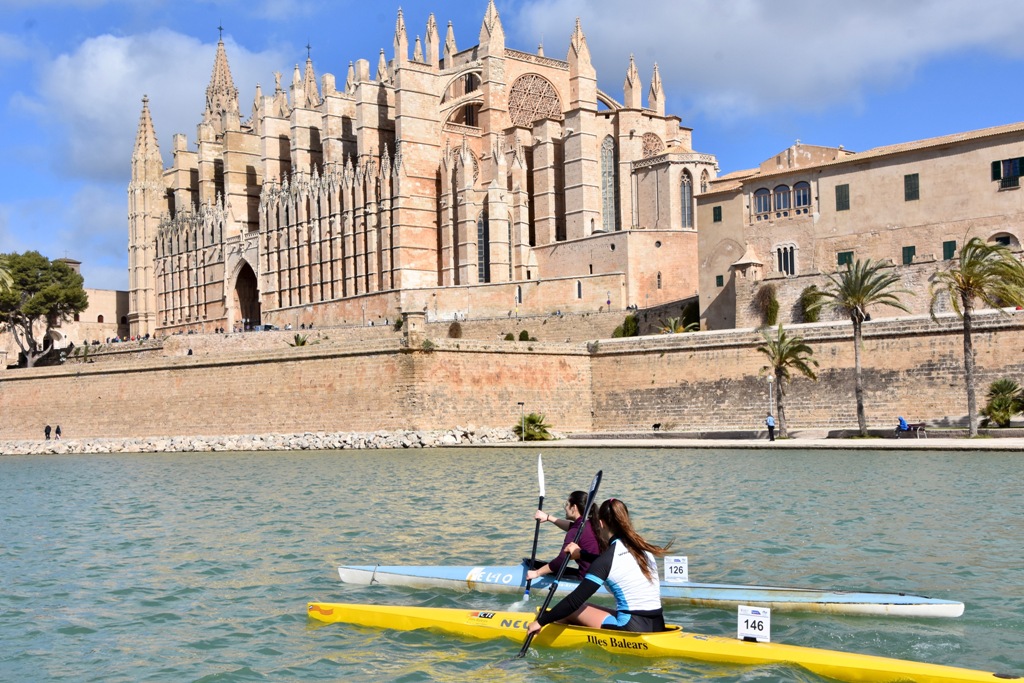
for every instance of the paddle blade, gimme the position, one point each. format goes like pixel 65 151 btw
pixel 594 486
pixel 540 474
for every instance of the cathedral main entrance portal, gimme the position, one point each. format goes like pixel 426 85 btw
pixel 247 298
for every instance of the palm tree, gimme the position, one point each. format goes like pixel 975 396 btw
pixel 850 293
pixel 677 326
pixel 984 272
pixel 535 428
pixel 1004 401
pixel 785 353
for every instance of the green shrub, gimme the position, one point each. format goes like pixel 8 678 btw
pixel 810 304
pixel 1005 399
pixel 630 327
pixel 767 305
pixel 428 345
pixel 455 330
pixel 510 337
pixel 524 336
pixel 398 323
pixel 536 429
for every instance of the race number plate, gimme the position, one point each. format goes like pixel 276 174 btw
pixel 754 623
pixel 677 570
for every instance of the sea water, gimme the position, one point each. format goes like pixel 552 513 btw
pixel 198 567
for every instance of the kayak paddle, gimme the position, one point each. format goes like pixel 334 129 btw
pixel 594 485
pixel 536 531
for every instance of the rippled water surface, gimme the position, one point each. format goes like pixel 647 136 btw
pixel 197 567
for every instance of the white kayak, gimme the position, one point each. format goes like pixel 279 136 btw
pixel 512 579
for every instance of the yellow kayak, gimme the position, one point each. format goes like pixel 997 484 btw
pixel 843 666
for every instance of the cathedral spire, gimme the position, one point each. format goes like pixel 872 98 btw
pixel 449 46
pixel 401 40
pixel 631 96
pixel 146 161
pixel 417 52
pixel 221 93
pixel 656 96
pixel 578 50
pixel 582 76
pixel 432 41
pixel 309 86
pixel 382 67
pixel 491 30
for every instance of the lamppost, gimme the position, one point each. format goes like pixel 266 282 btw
pixel 522 424
pixel 771 399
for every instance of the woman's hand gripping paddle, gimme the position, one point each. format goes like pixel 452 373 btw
pixel 536 531
pixel 594 485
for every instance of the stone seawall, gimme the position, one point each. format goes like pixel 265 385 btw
pixel 320 441
pixel 356 388
pixel 706 381
pixel 715 381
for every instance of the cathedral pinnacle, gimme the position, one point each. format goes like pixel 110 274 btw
pixel 578 49
pixel 631 88
pixel 656 96
pixel 221 93
pixel 401 40
pixel 449 45
pixel 309 85
pixel 491 28
pixel 146 159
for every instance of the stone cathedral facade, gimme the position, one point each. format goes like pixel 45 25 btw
pixel 477 182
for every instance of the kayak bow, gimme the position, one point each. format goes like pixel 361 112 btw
pixel 843 666
pixel 512 579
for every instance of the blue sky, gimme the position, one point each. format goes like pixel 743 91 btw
pixel 750 77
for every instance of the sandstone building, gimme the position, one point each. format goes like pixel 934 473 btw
pixel 809 210
pixel 474 182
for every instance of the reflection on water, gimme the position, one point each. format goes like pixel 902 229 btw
pixel 187 567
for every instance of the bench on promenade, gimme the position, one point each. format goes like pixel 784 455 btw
pixel 917 428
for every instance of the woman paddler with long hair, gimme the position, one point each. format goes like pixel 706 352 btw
pixel 573 519
pixel 626 567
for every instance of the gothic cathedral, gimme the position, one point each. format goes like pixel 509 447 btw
pixel 462 183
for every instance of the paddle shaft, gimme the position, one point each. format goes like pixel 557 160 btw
pixel 594 485
pixel 533 553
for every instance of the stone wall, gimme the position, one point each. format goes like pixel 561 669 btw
pixel 911 367
pixel 696 381
pixel 376 386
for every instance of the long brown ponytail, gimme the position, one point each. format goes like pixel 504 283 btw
pixel 615 516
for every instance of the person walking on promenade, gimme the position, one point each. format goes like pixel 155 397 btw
pixel 46 432
pixel 56 433
pixel 770 423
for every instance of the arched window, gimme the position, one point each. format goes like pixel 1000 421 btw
pixel 762 201
pixel 579 289
pixel 483 238
pixel 686 200
pixel 519 295
pixel 704 181
pixel 802 196
pixel 99 318
pixel 609 186
pixel 781 195
pixel 786 259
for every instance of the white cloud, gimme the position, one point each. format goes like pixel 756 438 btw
pixel 95 93
pixel 750 56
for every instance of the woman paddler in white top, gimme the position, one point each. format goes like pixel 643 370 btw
pixel 627 569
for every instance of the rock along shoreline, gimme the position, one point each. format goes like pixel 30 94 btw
pixel 306 441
